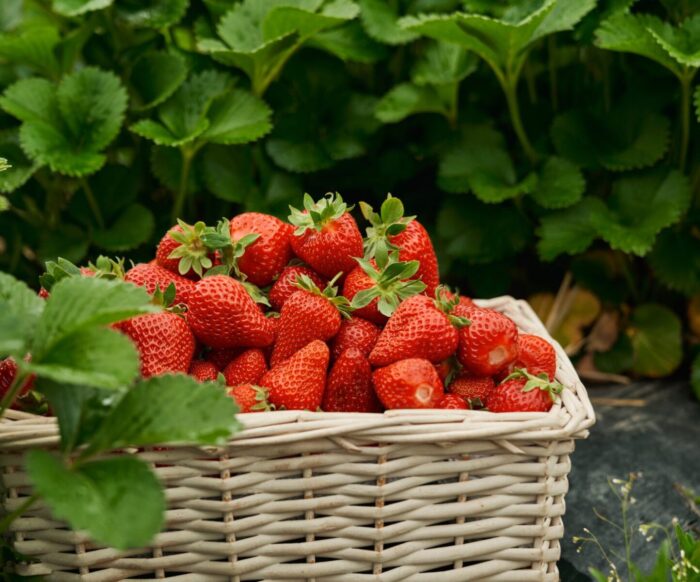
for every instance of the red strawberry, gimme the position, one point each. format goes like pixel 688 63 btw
pixel 390 230
pixel 164 341
pixel 523 392
pixel 203 371
pixel 247 368
pixel 286 284
pixel 308 315
pixel 223 315
pixel 355 332
pixel 489 344
pixel 222 356
pixel 376 287
pixel 453 402
pixel 265 258
pixel 8 373
pixel 150 276
pixel 250 398
pixel 464 302
pixel 536 355
pixel 445 369
pixel 411 383
pixel 421 327
pixel 349 387
pixel 326 235
pixel 298 383
pixel 473 389
pixel 183 251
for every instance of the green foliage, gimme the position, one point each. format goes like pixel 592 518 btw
pixel 517 131
pixel 89 372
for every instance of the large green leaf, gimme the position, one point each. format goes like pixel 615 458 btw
pixel 20 309
pixel 655 332
pixel 236 118
pixel 640 207
pixel 349 43
pixel 183 118
pixel 156 76
pixel 67 127
pixel 228 172
pixel 157 14
pixel 33 46
pixel 675 260
pixel 78 7
pixel 407 99
pixel 78 303
pixel 133 227
pixel 94 356
pixel 569 231
pixel 168 409
pixel 468 229
pixel 624 139
pixel 441 63
pixel 560 184
pixel 631 33
pixel 682 43
pixel 118 501
pixel 380 20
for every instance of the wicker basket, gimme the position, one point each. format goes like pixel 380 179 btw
pixel 408 495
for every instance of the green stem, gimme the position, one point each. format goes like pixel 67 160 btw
pixel 187 157
pixel 628 544
pixel 92 202
pixel 10 396
pixel 10 517
pixel 510 87
pixel 685 116
pixel 261 84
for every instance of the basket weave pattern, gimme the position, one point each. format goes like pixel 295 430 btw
pixel 408 495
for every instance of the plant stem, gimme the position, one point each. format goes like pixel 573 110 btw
pixel 187 157
pixel 686 80
pixel 10 517
pixel 261 85
pixel 510 88
pixel 92 202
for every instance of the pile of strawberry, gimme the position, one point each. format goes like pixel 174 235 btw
pixel 309 314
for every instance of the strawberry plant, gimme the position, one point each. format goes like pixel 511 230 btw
pixel 550 147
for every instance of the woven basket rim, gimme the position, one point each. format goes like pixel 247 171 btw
pixel 571 416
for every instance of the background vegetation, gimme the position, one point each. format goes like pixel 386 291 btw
pixel 551 146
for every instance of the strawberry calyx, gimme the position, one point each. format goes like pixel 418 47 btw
pixel 330 293
pixel 316 215
pixel 262 399
pixel 103 267
pixel 218 239
pixel 389 221
pixel 446 301
pixel 165 299
pixel 540 382
pixel 392 283
pixel 192 251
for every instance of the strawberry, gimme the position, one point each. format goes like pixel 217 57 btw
pixel 164 341
pixel 376 287
pixel 309 314
pixel 421 327
pixel 246 368
pixel 489 344
pixel 446 369
pixel 222 356
pixel 473 389
pixel 203 371
pixel 8 373
pixel 349 387
pixel 452 402
pixel 223 315
pixel 411 383
pixel 326 235
pixel 265 258
pixel 152 276
pixel 182 250
pixel 298 382
pixel 250 398
pixel 355 332
pixel 524 392
pixel 390 230
pixel 536 355
pixel 286 284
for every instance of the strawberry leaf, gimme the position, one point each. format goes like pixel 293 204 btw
pixel 227 172
pixel 675 260
pixel 349 43
pixel 380 21
pixel 560 184
pixel 682 43
pixel 640 207
pixel 22 168
pixel 158 14
pixel 167 409
pixel 119 501
pixel 20 310
pixel 155 77
pixel 655 332
pixel 569 231
pixel 35 47
pixel 442 63
pixel 407 99
pixel 78 7
pixel 236 118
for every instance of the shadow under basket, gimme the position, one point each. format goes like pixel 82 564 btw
pixel 408 495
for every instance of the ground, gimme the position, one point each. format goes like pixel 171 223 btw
pixel 660 440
